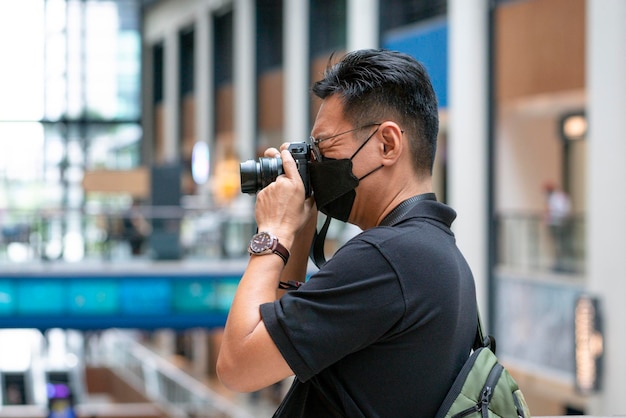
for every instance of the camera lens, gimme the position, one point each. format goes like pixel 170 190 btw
pixel 257 175
pixel 248 172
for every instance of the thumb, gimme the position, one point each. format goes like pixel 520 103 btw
pixel 289 164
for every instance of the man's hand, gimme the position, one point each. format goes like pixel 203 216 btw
pixel 281 207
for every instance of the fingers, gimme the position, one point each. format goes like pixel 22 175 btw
pixel 273 152
pixel 289 164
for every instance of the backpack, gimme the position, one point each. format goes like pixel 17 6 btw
pixel 484 388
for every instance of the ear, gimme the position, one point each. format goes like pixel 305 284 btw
pixel 391 139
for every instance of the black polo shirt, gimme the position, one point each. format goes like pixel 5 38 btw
pixel 384 327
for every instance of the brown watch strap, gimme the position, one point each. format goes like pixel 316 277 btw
pixel 281 251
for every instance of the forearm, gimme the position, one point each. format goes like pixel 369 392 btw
pixel 257 286
pixel 248 359
pixel 259 283
pixel 296 268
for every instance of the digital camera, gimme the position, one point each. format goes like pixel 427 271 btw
pixel 255 175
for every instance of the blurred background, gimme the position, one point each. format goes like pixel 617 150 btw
pixel 123 229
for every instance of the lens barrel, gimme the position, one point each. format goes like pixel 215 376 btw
pixel 256 175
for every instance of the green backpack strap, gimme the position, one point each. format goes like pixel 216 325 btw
pixel 481 340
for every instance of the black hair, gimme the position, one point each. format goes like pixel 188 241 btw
pixel 377 85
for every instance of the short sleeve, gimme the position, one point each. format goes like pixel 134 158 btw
pixel 353 301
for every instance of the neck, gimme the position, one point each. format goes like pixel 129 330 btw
pixel 403 208
pixel 375 208
pixel 399 198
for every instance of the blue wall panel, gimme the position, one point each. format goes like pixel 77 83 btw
pixel 428 43
pixel 90 300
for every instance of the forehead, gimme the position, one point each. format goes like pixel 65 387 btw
pixel 329 117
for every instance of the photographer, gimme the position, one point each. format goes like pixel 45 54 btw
pixel 383 328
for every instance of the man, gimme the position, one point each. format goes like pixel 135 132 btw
pixel 385 326
pixel 558 212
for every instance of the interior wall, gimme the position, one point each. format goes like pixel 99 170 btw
pixel 188 139
pixel 540 75
pixel 270 111
pixel 318 65
pixel 224 103
pixel 528 154
pixel 540 47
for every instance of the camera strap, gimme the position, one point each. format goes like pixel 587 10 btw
pixel 317 248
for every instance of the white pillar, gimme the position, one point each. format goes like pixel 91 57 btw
pixel 164 341
pixel 200 352
pixel 203 75
pixel 245 75
pixel 468 130
pixel 606 221
pixel 296 57
pixel 362 27
pixel 171 98
pixel 204 91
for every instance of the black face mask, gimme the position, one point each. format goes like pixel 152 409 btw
pixel 334 184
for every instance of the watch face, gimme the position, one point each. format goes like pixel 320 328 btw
pixel 261 242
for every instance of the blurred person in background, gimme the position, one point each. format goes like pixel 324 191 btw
pixel 558 212
pixel 135 228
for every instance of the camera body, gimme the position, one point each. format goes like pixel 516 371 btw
pixel 255 175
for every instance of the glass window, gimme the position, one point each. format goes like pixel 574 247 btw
pixel 22 57
pixel 398 13
pixel 69 103
pixel 328 26
pixel 187 58
pixel 269 31
pixel 223 47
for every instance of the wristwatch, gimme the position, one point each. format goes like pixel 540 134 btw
pixel 265 243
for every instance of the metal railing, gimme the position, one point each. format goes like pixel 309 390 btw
pixel 176 392
pixel 80 234
pixel 524 239
pixel 527 242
